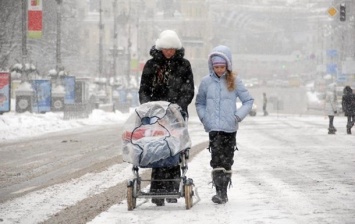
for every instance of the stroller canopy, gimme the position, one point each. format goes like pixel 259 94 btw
pixel 156 131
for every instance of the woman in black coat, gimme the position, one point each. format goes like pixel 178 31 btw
pixel 167 76
pixel 348 104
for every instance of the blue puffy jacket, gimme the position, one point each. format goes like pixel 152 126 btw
pixel 215 104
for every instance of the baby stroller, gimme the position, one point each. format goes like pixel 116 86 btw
pixel 156 136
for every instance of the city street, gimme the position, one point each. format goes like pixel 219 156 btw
pixel 287 170
pixel 72 74
pixel 43 161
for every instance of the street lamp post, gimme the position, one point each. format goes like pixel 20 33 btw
pixel 59 23
pixel 24 31
pixel 101 27
pixel 115 34
pixel 129 43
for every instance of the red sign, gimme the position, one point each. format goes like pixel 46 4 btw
pixel 4 79
pixel 35 23
pixel 34 19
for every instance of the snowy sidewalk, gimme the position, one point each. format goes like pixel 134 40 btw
pixel 288 170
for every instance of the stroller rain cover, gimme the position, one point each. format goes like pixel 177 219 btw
pixel 156 131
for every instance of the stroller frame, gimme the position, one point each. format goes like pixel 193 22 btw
pixel 185 187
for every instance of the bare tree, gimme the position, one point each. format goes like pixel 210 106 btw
pixel 10 20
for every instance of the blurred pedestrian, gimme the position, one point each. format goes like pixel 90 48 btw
pixel 330 106
pixel 348 104
pixel 167 76
pixel 216 108
pixel 265 104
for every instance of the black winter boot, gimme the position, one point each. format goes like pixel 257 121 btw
pixel 221 181
pixel 335 130
pixel 217 176
pixel 218 198
pixel 226 182
pixel 348 128
pixel 331 130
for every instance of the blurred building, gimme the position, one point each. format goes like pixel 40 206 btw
pixel 138 25
pixel 112 38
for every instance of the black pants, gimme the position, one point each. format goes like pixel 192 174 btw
pixel 222 147
pixel 331 120
pixel 264 110
pixel 165 173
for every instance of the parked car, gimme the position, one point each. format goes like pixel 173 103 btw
pixel 252 111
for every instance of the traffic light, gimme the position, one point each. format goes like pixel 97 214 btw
pixel 342 12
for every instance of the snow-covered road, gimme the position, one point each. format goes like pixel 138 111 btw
pixel 287 170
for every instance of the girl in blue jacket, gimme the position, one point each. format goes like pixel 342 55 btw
pixel 216 108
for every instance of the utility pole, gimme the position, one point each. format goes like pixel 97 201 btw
pixel 24 31
pixel 59 24
pixel 129 43
pixel 101 27
pixel 115 35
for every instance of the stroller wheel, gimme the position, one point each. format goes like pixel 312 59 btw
pixel 188 196
pixel 131 201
